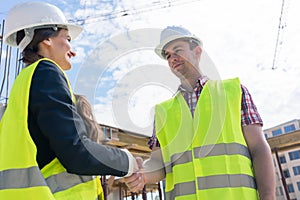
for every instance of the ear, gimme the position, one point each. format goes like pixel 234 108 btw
pixel 198 50
pixel 47 42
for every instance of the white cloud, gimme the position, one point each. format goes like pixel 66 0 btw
pixel 239 38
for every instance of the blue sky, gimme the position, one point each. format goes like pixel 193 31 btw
pixel 117 69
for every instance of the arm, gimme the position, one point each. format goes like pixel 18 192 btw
pixel 262 161
pixel 58 130
pixel 153 167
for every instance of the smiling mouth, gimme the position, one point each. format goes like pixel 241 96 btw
pixel 177 65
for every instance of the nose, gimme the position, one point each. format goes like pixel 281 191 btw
pixel 173 56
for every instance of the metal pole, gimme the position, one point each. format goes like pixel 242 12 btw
pixel 120 192
pixel 104 186
pixel 144 193
pixel 159 191
pixel 281 174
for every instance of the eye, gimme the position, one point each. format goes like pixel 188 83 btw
pixel 168 56
pixel 177 51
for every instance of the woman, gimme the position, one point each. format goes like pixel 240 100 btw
pixel 44 151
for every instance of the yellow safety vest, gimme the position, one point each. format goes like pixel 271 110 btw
pixel 206 156
pixel 20 176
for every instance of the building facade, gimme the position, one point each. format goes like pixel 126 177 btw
pixel 284 141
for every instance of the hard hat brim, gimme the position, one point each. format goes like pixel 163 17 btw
pixel 10 38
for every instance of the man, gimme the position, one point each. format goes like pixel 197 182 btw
pixel 208 141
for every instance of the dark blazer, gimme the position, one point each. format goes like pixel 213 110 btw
pixel 57 129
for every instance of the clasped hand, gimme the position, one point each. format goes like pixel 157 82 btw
pixel 136 181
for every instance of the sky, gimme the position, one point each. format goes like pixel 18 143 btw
pixel 117 69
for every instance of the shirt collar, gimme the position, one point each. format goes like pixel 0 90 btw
pixel 200 82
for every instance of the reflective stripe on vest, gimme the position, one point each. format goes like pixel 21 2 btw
pixel 210 182
pixel 205 151
pixel 206 156
pixel 21 178
pixel 64 180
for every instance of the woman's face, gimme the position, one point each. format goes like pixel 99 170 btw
pixel 60 49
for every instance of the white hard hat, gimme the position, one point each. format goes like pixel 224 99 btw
pixel 33 15
pixel 172 33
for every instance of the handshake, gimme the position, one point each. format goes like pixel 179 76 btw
pixel 137 180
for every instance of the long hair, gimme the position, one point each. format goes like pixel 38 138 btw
pixel 94 131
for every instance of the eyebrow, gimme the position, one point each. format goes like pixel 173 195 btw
pixel 174 48
pixel 177 47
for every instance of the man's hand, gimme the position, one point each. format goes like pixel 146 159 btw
pixel 136 181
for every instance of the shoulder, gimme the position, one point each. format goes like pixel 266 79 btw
pixel 47 71
pixel 244 89
pixel 44 65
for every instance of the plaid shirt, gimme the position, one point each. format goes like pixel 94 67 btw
pixel 249 113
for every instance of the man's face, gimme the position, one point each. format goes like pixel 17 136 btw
pixel 181 59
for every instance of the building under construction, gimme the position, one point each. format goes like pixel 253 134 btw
pixel 284 141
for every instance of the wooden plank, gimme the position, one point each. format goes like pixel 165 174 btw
pixel 138 147
pixel 115 143
pixel 285 141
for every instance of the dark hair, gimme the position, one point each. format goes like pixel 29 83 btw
pixel 193 43
pixel 30 53
pixel 94 131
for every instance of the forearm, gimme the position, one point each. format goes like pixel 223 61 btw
pixel 153 171
pixel 264 173
pixel 262 161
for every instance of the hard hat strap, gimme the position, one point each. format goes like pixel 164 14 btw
pixel 29 32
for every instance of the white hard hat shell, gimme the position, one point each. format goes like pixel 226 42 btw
pixel 33 15
pixel 172 33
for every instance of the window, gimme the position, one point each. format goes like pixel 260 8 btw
pixel 296 170
pixel 289 128
pixel 279 191
pixel 290 188
pixel 277 176
pixel 294 155
pixel 286 173
pixel 282 159
pixel 276 132
pixel 298 185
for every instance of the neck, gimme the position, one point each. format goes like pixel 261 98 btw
pixel 189 82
